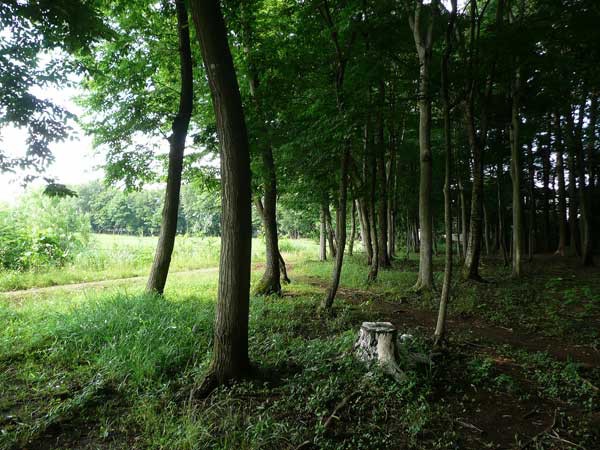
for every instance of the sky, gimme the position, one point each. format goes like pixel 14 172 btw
pixel 76 162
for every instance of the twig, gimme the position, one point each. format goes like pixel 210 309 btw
pixel 337 409
pixel 554 435
pixel 469 425
pixel 544 431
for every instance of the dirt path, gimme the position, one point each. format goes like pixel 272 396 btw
pixel 90 284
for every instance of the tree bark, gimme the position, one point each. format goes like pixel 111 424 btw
pixel 575 243
pixel 515 173
pixel 562 203
pixel 424 42
pixel 323 235
pixel 587 248
pixel 352 228
pixel 384 260
pixel 168 229
pixel 532 209
pixel 270 282
pixel 230 354
pixel 330 233
pixel 442 311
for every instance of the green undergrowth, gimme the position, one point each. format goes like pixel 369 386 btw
pixel 117 369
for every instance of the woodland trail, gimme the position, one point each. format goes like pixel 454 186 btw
pixel 90 284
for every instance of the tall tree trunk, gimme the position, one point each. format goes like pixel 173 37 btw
pixel 374 270
pixel 441 320
pixel 423 41
pixel 486 231
pixel 341 229
pixel 352 228
pixel 168 229
pixel 587 248
pixel 384 260
pixel 365 228
pixel 330 233
pixel 271 280
pixel 323 235
pixel 532 209
pixel 501 228
pixel 230 353
pixel 562 203
pixel 515 173
pixel 391 210
pixel 547 238
pixel 473 253
pixel 463 216
pixel 575 243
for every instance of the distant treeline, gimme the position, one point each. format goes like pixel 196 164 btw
pixel 111 210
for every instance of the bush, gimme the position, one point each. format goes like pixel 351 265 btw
pixel 40 232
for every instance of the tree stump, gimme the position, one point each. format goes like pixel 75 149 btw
pixel 376 344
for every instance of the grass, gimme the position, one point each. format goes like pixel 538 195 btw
pixel 82 368
pixel 119 256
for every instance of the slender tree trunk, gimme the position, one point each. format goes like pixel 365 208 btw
pixel 574 229
pixel 391 211
pixel 330 233
pixel 341 229
pixel 562 203
pixel 352 229
pixel 365 228
pixel 532 209
pixel 486 231
pixel 515 173
pixel 459 238
pixel 463 216
pixel 230 353
pixel 424 41
pixel 168 229
pixel 473 253
pixel 441 320
pixel 501 228
pixel 374 270
pixel 547 237
pixel 384 260
pixel 587 248
pixel 323 235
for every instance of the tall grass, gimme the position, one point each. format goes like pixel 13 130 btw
pixel 120 256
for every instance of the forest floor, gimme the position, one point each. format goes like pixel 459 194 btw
pixel 116 369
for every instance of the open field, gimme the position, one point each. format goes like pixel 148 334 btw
pixel 90 367
pixel 120 256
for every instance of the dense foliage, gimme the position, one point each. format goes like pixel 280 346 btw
pixel 40 231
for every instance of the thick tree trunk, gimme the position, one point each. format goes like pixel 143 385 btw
pixel 168 229
pixel 270 282
pixel 562 203
pixel 515 173
pixel 230 353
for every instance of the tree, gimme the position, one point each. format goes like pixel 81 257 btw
pixel 166 240
pixel 422 28
pixel 230 353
